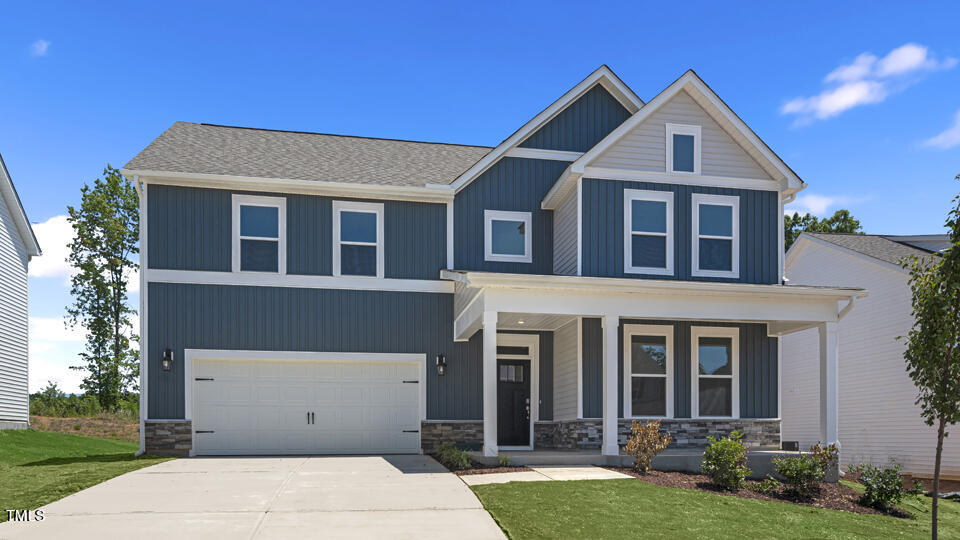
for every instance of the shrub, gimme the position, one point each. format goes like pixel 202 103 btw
pixel 883 487
pixel 767 486
pixel 917 488
pixel 827 456
pixel 644 443
pixel 725 462
pixel 453 458
pixel 504 460
pixel 802 473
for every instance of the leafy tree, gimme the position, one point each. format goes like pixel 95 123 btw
pixel 933 358
pixel 106 229
pixel 840 222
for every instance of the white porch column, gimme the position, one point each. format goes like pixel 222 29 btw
pixel 829 384
pixel 611 326
pixel 490 383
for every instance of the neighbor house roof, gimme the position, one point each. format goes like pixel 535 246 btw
pixel 886 248
pixel 186 147
pixel 8 194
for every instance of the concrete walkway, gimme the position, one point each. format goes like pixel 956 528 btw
pixel 542 474
pixel 271 497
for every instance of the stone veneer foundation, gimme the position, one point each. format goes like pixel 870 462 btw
pixel 168 438
pixel 465 433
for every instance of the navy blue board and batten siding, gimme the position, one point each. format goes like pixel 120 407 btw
pixel 603 230
pixel 581 125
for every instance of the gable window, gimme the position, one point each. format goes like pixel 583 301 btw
pixel 716 235
pixel 683 148
pixel 716 386
pixel 648 232
pixel 259 234
pixel 507 236
pixel 648 370
pixel 357 239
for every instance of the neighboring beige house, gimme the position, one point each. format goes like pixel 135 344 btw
pixel 17 245
pixel 878 418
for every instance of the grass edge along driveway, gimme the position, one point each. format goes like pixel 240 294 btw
pixel 38 467
pixel 629 507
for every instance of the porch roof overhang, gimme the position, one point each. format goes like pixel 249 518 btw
pixel 785 308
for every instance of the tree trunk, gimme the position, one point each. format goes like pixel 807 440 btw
pixel 936 477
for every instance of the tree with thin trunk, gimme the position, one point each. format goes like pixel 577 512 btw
pixel 933 344
pixel 106 228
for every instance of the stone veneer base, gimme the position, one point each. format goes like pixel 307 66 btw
pixel 686 433
pixel 168 437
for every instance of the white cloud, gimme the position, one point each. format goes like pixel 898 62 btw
pixel 45 329
pixel 40 47
pixel 867 80
pixel 54 236
pixel 817 205
pixel 948 138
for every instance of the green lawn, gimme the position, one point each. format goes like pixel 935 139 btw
pixel 632 508
pixel 38 467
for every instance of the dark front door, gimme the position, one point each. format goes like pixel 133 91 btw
pixel 513 402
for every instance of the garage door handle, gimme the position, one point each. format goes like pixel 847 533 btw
pixel 411 431
pixel 203 378
pixel 204 431
pixel 411 382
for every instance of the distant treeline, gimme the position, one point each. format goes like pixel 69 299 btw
pixel 51 401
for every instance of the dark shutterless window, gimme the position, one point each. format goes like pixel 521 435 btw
pixel 358 243
pixel 648 370
pixel 259 238
pixel 716 237
pixel 715 373
pixel 508 237
pixel 513 350
pixel 683 148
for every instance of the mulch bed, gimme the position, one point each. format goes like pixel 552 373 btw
pixel 831 496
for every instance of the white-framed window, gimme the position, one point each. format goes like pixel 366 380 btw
pixel 648 370
pixel 357 239
pixel 683 149
pixel 259 234
pixel 716 235
pixel 716 378
pixel 507 236
pixel 648 232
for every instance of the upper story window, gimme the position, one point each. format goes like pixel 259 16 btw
pixel 357 239
pixel 259 234
pixel 507 236
pixel 683 148
pixel 648 366
pixel 716 236
pixel 648 232
pixel 715 391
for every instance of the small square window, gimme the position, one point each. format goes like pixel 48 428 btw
pixel 507 236
pixel 357 239
pixel 259 234
pixel 648 232
pixel 683 148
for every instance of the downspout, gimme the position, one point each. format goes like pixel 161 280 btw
pixel 138 186
pixel 846 309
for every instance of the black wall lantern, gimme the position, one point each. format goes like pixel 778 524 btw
pixel 441 365
pixel 167 362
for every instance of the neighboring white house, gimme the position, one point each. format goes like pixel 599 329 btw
pixel 878 418
pixel 17 245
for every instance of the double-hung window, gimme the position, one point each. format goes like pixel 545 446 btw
pixel 683 149
pixel 507 236
pixel 357 239
pixel 716 236
pixel 648 232
pixel 648 370
pixel 715 391
pixel 259 234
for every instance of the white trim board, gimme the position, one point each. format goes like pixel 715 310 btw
pixel 538 153
pixel 489 216
pixel 247 279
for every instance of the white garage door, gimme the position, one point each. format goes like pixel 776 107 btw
pixel 266 406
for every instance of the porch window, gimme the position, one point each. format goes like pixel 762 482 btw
pixel 715 361
pixel 259 234
pixel 683 148
pixel 648 232
pixel 357 239
pixel 507 236
pixel 648 365
pixel 716 236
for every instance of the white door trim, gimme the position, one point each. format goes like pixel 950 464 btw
pixel 532 341
pixel 189 355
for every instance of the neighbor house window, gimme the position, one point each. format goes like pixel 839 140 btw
pixel 716 236
pixel 683 148
pixel 259 234
pixel 357 239
pixel 648 232
pixel 648 370
pixel 715 366
pixel 507 236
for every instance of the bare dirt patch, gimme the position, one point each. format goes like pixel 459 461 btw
pixel 105 427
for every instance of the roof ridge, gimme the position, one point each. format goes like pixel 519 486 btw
pixel 338 135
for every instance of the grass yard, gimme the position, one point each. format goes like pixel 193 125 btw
pixel 633 508
pixel 39 467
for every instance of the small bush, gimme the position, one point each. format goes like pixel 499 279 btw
pixel 453 458
pixel 802 473
pixel 645 443
pixel 504 460
pixel 725 462
pixel 827 456
pixel 884 487
pixel 767 486
pixel 917 488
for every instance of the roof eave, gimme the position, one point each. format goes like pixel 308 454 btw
pixel 24 229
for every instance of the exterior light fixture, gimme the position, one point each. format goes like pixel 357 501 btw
pixel 441 365
pixel 167 362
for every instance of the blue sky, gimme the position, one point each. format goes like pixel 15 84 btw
pixel 862 99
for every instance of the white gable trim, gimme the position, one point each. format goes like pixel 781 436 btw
pixel 8 194
pixel 603 75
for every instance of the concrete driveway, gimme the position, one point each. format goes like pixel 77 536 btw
pixel 271 497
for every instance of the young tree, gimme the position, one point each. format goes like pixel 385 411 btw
pixel 106 229
pixel 933 358
pixel 840 222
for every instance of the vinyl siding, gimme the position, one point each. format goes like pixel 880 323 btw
pixel 644 147
pixel 603 230
pixel 565 236
pixel 878 417
pixel 565 372
pixel 582 124
pixel 14 401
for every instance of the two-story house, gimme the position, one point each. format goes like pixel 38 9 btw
pixel 610 260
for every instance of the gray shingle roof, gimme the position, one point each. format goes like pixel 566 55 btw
pixel 186 147
pixel 872 245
